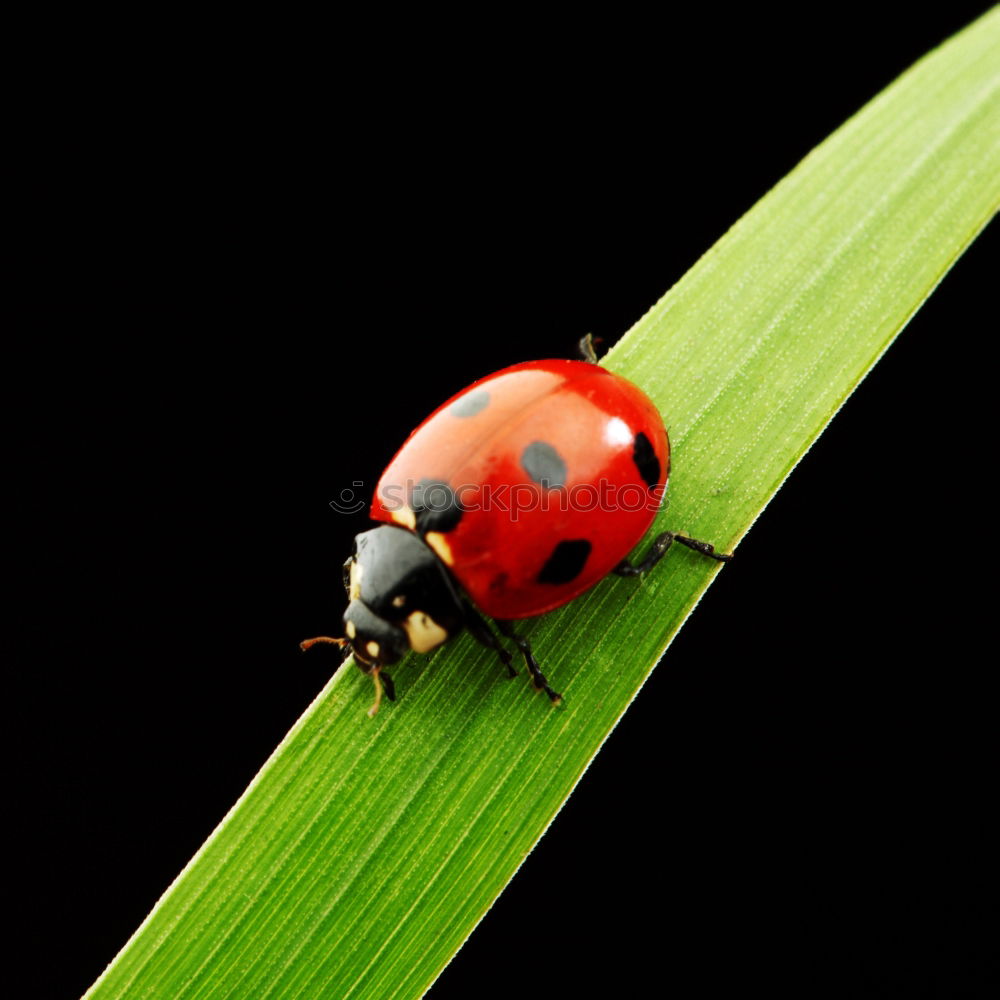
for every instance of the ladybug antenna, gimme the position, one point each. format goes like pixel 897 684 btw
pixel 382 683
pixel 309 643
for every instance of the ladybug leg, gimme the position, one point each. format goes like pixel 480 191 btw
pixel 586 347
pixel 659 549
pixel 539 679
pixel 483 634
pixel 390 688
pixel 705 548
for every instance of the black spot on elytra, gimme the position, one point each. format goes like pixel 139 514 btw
pixel 645 460
pixel 544 464
pixel 471 404
pixel 566 561
pixel 435 506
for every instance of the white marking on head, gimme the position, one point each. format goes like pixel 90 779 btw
pixel 371 648
pixel 405 517
pixel 354 590
pixel 399 600
pixel 440 545
pixel 617 432
pixel 351 630
pixel 423 632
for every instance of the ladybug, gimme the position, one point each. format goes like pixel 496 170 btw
pixel 512 498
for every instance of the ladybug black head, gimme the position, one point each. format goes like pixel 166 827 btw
pixel 402 597
pixel 375 641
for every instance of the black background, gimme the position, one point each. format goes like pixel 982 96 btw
pixel 245 290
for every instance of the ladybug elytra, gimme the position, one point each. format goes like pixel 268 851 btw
pixel 512 498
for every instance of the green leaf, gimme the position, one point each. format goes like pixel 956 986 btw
pixel 331 877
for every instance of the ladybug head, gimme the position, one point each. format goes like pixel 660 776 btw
pixel 374 641
pixel 401 598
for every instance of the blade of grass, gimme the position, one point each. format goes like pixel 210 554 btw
pixel 323 881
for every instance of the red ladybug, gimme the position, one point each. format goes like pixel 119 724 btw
pixel 514 497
